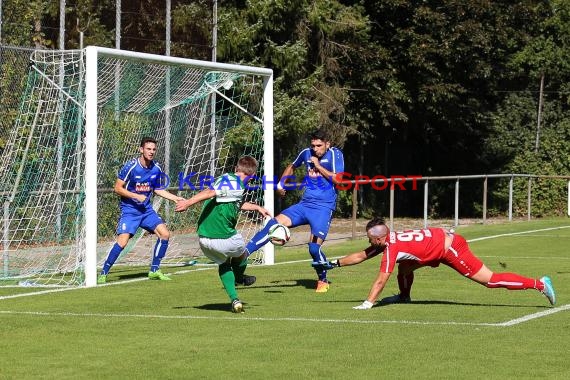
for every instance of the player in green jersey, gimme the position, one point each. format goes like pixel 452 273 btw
pixel 218 237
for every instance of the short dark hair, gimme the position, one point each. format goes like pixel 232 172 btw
pixel 376 221
pixel 247 165
pixel 146 140
pixel 319 134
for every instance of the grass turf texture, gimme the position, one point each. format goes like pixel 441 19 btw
pixel 184 328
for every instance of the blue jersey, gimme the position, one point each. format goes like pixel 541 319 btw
pixel 318 189
pixel 140 180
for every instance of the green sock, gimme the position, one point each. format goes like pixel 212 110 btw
pixel 228 280
pixel 238 267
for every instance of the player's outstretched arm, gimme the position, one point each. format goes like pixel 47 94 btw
pixel 168 195
pixel 248 206
pixel 199 197
pixel 352 259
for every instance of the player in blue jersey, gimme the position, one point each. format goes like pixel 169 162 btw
pixel 320 162
pixel 137 180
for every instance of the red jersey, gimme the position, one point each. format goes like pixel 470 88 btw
pixel 426 246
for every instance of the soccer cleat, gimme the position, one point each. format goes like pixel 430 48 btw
pixel 237 306
pixel 322 286
pixel 548 289
pixel 246 280
pixel 158 275
pixel 396 298
pixel 102 279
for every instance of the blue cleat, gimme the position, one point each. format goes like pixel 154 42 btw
pixel 548 289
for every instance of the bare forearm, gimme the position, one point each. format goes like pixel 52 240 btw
pixel 352 259
pixel 378 286
pixel 358 257
pixel 167 195
pixel 122 191
pixel 248 206
pixel 201 196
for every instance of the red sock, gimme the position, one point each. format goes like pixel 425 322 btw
pixel 514 281
pixel 405 283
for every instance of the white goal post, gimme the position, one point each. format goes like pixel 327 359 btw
pixel 82 114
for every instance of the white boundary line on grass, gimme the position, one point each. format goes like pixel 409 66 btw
pixel 529 317
pixel 501 324
pixel 517 233
pixel 290 319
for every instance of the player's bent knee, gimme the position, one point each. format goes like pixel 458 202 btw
pixel 162 232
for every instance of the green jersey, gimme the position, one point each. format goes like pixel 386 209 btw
pixel 219 215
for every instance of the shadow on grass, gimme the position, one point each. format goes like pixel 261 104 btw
pixel 440 302
pixel 383 303
pixel 278 285
pixel 215 307
pixel 209 306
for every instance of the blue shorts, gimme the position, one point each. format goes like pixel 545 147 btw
pixel 319 218
pixel 131 220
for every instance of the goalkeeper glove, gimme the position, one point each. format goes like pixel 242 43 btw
pixel 326 265
pixel 364 306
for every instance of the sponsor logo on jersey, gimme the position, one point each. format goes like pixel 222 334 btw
pixel 143 187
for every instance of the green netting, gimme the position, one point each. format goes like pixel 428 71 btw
pixel 203 120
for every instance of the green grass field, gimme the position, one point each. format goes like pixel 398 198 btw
pixel 182 329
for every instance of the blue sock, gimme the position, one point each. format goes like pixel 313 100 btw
pixel 159 251
pixel 318 256
pixel 260 238
pixel 111 258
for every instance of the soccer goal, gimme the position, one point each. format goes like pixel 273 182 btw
pixel 82 115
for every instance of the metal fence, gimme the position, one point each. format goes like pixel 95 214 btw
pixel 401 184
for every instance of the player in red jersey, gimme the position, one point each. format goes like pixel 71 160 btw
pixel 413 249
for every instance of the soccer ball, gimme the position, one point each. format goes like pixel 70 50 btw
pixel 279 234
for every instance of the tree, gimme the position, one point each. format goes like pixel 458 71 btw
pixel 307 44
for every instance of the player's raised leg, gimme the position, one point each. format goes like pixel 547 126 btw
pixel 260 238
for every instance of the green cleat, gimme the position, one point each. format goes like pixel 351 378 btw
pixel 158 275
pixel 102 279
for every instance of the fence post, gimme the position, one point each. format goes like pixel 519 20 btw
pixel 528 201
pixel 426 203
pixel 485 199
pixel 391 205
pixel 354 210
pixel 569 198
pixel 456 202
pixel 511 199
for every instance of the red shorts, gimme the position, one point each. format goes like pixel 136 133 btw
pixel 460 257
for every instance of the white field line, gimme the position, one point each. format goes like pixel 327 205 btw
pixel 507 323
pixel 529 317
pixel 517 233
pixel 290 319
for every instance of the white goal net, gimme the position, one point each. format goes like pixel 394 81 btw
pixel 81 116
